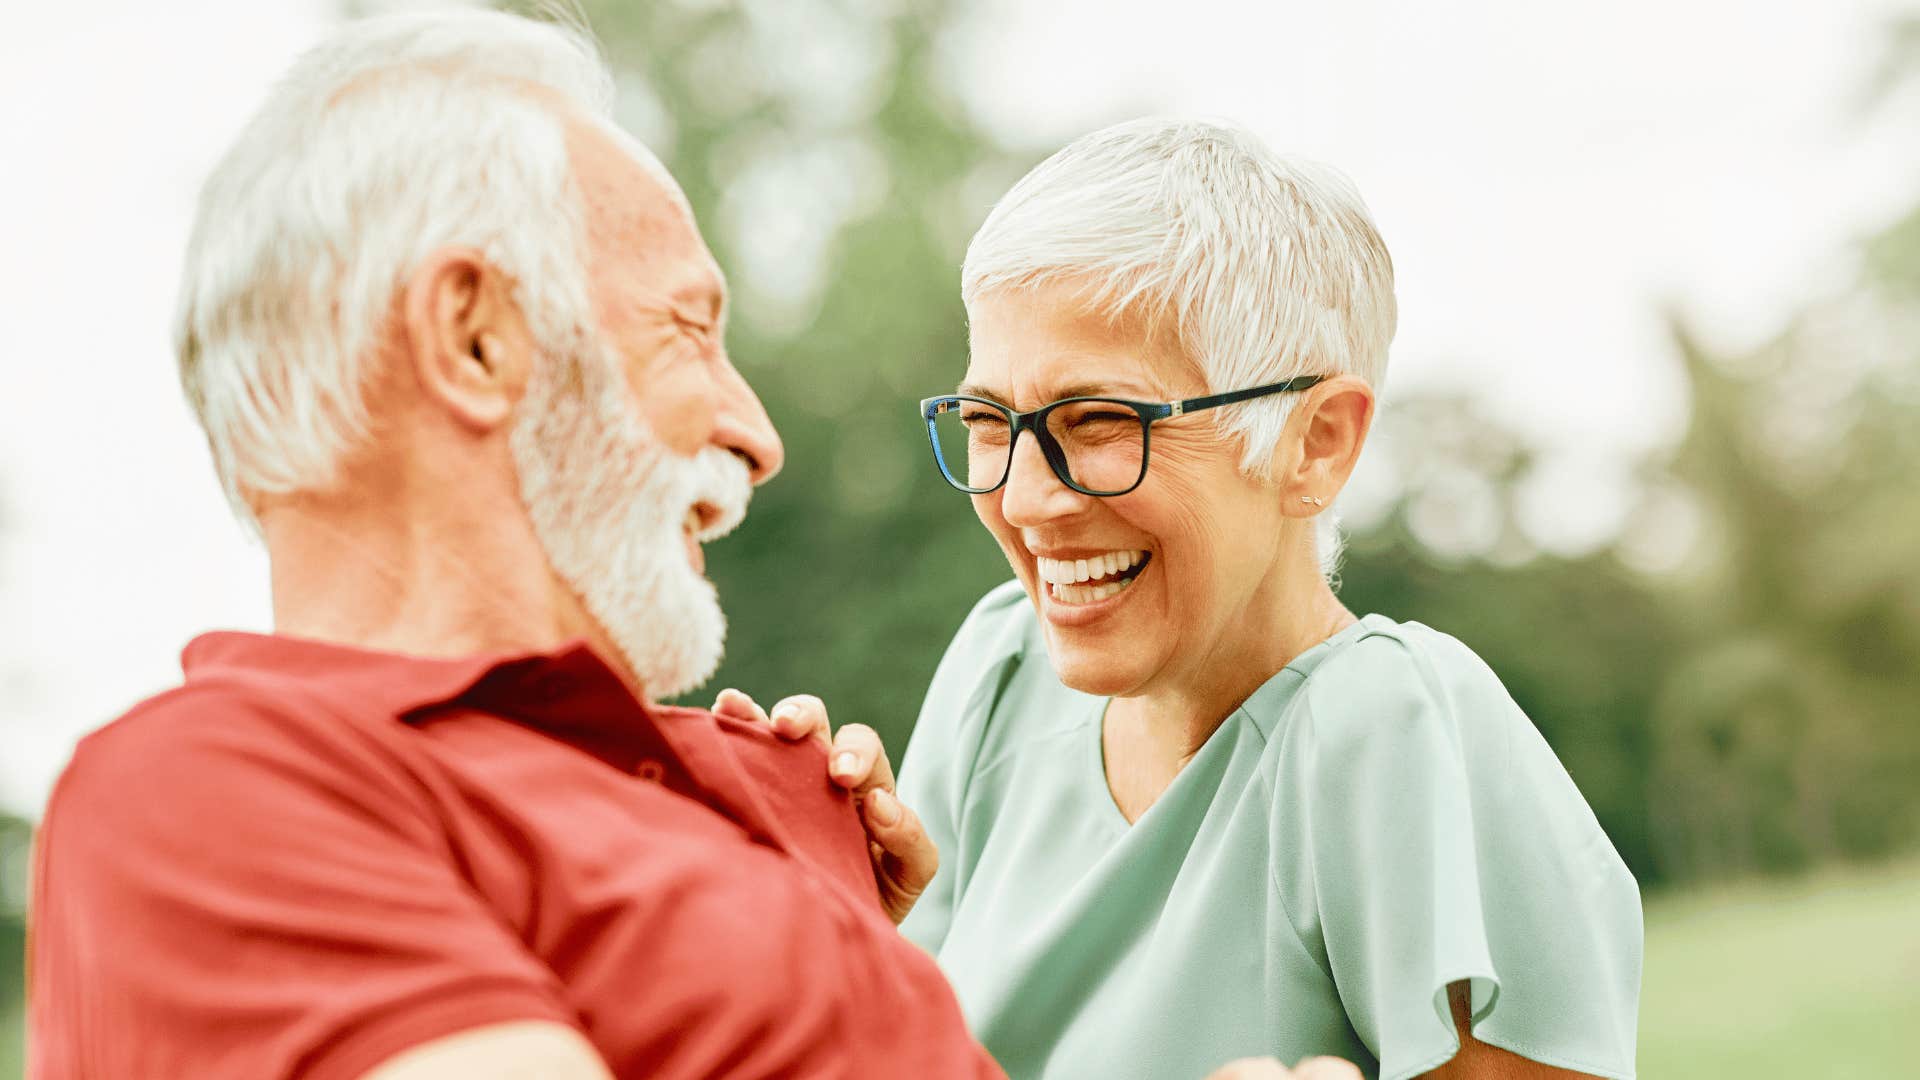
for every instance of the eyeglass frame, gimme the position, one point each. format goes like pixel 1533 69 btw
pixel 1150 412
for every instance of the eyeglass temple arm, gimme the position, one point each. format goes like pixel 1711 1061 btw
pixel 1302 382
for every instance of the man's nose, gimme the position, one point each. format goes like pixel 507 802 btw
pixel 744 429
pixel 1033 494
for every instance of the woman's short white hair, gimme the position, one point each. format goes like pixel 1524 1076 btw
pixel 396 136
pixel 1264 266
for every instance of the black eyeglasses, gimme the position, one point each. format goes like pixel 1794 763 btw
pixel 1095 445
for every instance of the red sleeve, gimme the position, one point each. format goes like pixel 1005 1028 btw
pixel 225 891
pixel 817 816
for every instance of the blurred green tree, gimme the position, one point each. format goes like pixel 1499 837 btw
pixel 16 837
pixel 1786 727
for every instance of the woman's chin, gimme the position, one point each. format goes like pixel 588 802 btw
pixel 1098 672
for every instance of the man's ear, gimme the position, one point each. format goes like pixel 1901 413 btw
pixel 469 345
pixel 1328 427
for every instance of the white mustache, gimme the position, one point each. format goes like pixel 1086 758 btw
pixel 721 480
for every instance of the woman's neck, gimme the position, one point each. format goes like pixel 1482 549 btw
pixel 1150 736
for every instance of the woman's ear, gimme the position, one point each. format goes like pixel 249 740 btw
pixel 1329 426
pixel 468 343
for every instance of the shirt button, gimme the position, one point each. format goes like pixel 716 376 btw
pixel 650 770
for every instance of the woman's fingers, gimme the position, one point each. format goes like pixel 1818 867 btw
pixel 1250 1069
pixel 1326 1068
pixel 739 705
pixel 1313 1068
pixel 793 718
pixel 906 860
pixel 799 717
pixel 859 762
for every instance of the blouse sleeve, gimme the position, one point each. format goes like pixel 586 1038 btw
pixel 1443 842
pixel 939 760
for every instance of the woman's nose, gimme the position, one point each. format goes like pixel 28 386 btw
pixel 1033 494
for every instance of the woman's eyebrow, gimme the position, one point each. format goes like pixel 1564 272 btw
pixel 1095 390
pixel 1076 390
pixel 976 390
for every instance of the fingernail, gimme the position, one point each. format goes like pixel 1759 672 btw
pixel 884 807
pixel 785 712
pixel 845 764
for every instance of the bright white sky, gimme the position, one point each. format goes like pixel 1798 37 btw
pixel 1546 175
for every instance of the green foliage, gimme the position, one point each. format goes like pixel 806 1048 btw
pixel 1786 719
pixel 15 839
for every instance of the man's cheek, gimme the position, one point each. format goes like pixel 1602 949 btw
pixel 680 412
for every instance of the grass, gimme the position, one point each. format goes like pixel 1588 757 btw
pixel 1812 978
pixel 1802 979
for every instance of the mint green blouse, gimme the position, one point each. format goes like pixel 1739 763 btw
pixel 1377 821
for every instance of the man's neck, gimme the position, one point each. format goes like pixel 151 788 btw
pixel 374 580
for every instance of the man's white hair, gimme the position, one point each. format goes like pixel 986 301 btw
pixel 1264 266
pixel 397 136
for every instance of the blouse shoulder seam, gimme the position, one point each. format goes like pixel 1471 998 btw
pixel 1005 657
pixel 1280 894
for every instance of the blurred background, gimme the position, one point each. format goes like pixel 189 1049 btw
pixel 1649 443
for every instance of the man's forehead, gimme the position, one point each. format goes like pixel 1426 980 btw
pixel 627 191
pixel 638 218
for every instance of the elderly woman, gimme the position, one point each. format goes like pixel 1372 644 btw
pixel 1189 807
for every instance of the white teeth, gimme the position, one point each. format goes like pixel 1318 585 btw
pixel 1075 571
pixel 1087 594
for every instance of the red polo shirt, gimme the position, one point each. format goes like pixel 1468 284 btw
pixel 310 857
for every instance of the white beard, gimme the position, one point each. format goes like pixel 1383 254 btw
pixel 609 504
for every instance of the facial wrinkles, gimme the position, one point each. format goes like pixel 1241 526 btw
pixel 609 504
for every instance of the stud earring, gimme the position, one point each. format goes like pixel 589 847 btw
pixel 1314 499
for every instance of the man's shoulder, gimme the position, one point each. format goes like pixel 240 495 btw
pixel 216 732
pixel 207 706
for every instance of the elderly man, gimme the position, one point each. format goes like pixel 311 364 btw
pixel 456 343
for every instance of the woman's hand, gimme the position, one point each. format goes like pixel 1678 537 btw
pixel 904 859
pixel 1314 1068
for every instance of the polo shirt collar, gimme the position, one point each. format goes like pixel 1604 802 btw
pixel 525 684
pixel 569 692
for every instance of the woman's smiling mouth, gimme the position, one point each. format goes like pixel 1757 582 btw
pixel 1092 579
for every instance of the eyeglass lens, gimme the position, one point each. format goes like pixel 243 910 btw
pixel 1104 444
